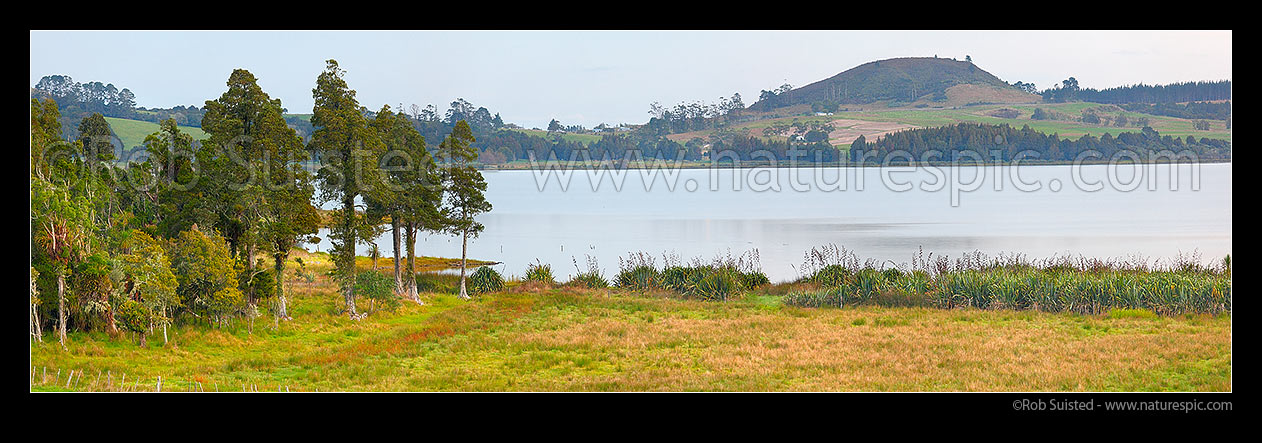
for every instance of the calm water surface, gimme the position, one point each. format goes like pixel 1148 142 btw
pixel 1150 211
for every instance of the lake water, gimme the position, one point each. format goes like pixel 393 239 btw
pixel 1153 211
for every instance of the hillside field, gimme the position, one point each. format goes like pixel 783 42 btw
pixel 133 132
pixel 874 121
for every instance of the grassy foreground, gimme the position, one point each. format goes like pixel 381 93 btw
pixel 533 337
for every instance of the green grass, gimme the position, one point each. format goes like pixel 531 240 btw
pixel 532 337
pixel 610 340
pixel 1171 126
pixel 133 132
pixel 535 337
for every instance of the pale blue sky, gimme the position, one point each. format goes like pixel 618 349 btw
pixel 589 77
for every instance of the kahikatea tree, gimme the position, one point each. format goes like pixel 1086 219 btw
pixel 96 140
pixel 345 144
pixel 172 185
pixel 464 190
pixel 408 192
pixel 254 161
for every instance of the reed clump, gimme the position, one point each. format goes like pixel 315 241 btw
pixel 539 272
pixel 1059 284
pixel 592 278
pixel 718 279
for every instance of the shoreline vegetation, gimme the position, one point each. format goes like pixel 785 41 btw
pixel 714 325
pixel 662 324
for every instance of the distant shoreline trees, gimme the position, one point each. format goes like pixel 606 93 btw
pixel 693 116
pixel 1003 143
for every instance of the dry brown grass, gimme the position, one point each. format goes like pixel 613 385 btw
pixel 963 95
pixel 536 338
pixel 889 349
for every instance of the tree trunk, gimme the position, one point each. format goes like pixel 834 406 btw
pixel 109 317
pixel 399 289
pixel 411 269
pixel 350 303
pixel 249 267
pixel 347 259
pixel 464 249
pixel 61 307
pixel 36 330
pixel 282 310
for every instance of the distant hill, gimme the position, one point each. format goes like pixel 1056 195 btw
pixel 902 80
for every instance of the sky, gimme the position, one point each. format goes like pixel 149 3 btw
pixel 592 77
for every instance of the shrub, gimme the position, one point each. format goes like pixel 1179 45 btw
pixel 590 281
pixel 830 276
pixel 867 284
pixel 135 317
pixel 643 277
pixel 485 280
pixel 592 278
pixel 754 279
pixel 718 279
pixel 681 279
pixel 1005 113
pixel 539 272
pixel 378 289
pixel 718 285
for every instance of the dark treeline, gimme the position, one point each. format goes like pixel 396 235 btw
pixel 507 145
pixel 1194 110
pixel 748 148
pixel 1069 90
pixel 728 149
pixel 610 147
pixel 617 147
pixel 991 143
pixel 988 143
